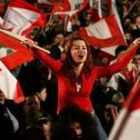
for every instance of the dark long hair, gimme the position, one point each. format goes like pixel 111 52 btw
pixel 61 128
pixel 69 64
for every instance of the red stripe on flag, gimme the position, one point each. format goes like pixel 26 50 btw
pixel 21 54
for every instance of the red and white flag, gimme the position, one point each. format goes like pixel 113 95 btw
pixel 112 10
pixel 22 17
pixel 9 85
pixel 70 7
pixel 127 124
pixel 103 34
pixel 102 10
pixel 12 52
pixel 112 7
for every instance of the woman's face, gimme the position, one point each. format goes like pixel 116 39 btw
pixel 79 51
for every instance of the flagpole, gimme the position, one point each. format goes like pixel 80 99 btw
pixel 23 39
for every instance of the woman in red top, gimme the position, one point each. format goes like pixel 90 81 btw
pixel 76 75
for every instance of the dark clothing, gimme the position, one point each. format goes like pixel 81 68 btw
pixel 55 52
pixel 6 126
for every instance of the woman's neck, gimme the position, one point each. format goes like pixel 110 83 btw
pixel 78 69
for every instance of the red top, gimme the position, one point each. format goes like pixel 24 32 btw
pixel 67 92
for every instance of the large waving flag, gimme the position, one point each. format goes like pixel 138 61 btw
pixel 103 34
pixel 112 10
pixel 103 10
pixel 12 52
pixel 9 85
pixel 127 124
pixel 22 17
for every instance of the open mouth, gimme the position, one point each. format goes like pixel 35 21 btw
pixel 80 56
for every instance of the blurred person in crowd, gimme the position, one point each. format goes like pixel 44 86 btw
pixel 125 9
pixel 74 124
pixel 45 124
pixel 32 118
pixel 9 124
pixel 57 47
pixel 137 23
pixel 127 24
pixel 74 24
pixel 85 18
pixel 76 75
pixel 123 80
pixel 31 111
pixel 40 90
pixel 116 89
pixel 128 37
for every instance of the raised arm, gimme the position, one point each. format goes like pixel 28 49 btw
pixel 43 56
pixel 121 61
pixel 133 47
pixel 53 64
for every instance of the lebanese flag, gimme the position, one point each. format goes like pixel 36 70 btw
pixel 127 124
pixel 69 7
pixel 9 85
pixel 103 34
pixel 95 8
pixel 12 52
pixel 22 17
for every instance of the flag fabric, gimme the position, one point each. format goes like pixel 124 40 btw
pixel 127 124
pixel 9 85
pixel 12 52
pixel 103 34
pixel 2 8
pixel 96 11
pixel 27 18
pixel 48 2
pixel 69 7
pixel 102 10
pixel 112 10
pixel 101 57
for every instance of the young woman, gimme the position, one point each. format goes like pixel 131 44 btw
pixel 76 75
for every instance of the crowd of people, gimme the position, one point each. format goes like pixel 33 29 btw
pixel 69 95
